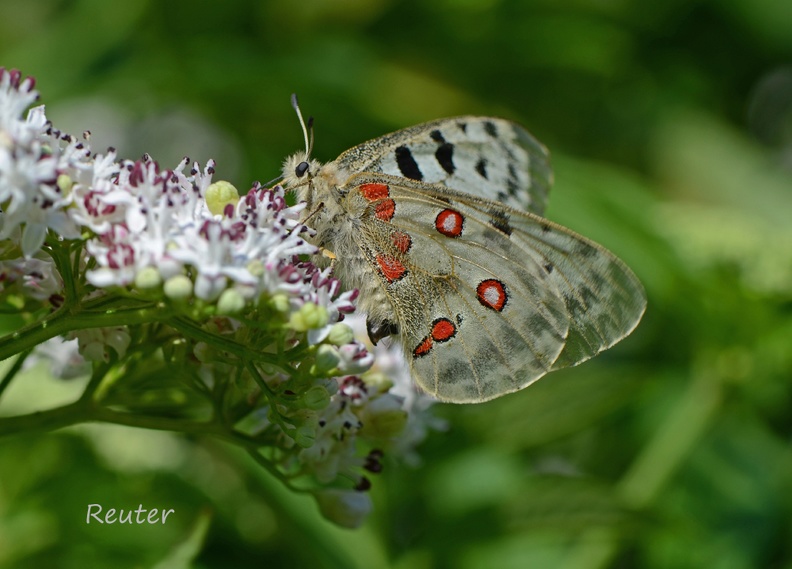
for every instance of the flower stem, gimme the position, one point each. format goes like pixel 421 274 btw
pixel 63 321
pixel 84 411
pixel 48 420
pixel 9 376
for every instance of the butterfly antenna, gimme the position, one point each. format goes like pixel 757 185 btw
pixel 296 108
pixel 311 130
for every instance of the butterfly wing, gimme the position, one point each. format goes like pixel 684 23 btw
pixel 487 157
pixel 487 298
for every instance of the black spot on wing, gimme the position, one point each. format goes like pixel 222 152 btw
pixel 407 164
pixel 481 168
pixel 445 157
pixel 499 219
pixel 586 249
pixel 437 136
pixel 462 126
pixel 490 128
pixel 512 182
pixel 512 187
pixel 549 268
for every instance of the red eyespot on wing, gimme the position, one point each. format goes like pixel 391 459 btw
pixel 390 267
pixel 443 330
pixel 385 209
pixel 449 223
pixel 492 294
pixel 423 348
pixel 401 240
pixel 373 192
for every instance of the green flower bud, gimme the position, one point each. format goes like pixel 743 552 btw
pixel 219 195
pixel 280 302
pixel 316 398
pixel 230 302
pixel 64 183
pixel 308 317
pixel 377 381
pixel 148 278
pixel 178 288
pixel 256 268
pixel 305 435
pixel 340 334
pixel 327 358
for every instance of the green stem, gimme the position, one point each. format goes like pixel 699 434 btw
pixel 272 469
pixel 192 330
pixel 63 321
pixel 9 376
pixel 41 421
pixel 82 411
pixel 59 251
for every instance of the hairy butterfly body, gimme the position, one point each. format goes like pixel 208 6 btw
pixel 439 226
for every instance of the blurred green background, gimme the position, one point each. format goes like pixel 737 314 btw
pixel 670 125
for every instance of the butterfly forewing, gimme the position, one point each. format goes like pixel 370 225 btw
pixel 483 156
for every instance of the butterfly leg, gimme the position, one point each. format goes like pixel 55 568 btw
pixel 379 330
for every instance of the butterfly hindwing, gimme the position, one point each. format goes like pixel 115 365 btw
pixel 487 157
pixel 603 297
pixel 478 318
pixel 490 298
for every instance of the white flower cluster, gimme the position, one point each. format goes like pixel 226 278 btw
pixel 148 226
pixel 31 159
pixel 131 231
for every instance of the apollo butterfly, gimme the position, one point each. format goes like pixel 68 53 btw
pixel 439 226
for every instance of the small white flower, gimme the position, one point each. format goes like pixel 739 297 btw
pixel 94 343
pixel 36 277
pixel 63 356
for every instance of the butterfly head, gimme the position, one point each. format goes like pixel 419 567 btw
pixel 298 171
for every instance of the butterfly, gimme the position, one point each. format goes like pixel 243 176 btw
pixel 440 228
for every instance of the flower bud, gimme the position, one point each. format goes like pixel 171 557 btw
pixel 309 316
pixel 64 183
pixel 346 508
pixel 280 302
pixel 219 195
pixel 230 302
pixel 148 278
pixel 316 398
pixel 256 268
pixel 305 435
pixel 377 382
pixel 327 358
pixel 178 288
pixel 340 334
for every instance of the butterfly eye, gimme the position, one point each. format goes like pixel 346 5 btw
pixel 301 169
